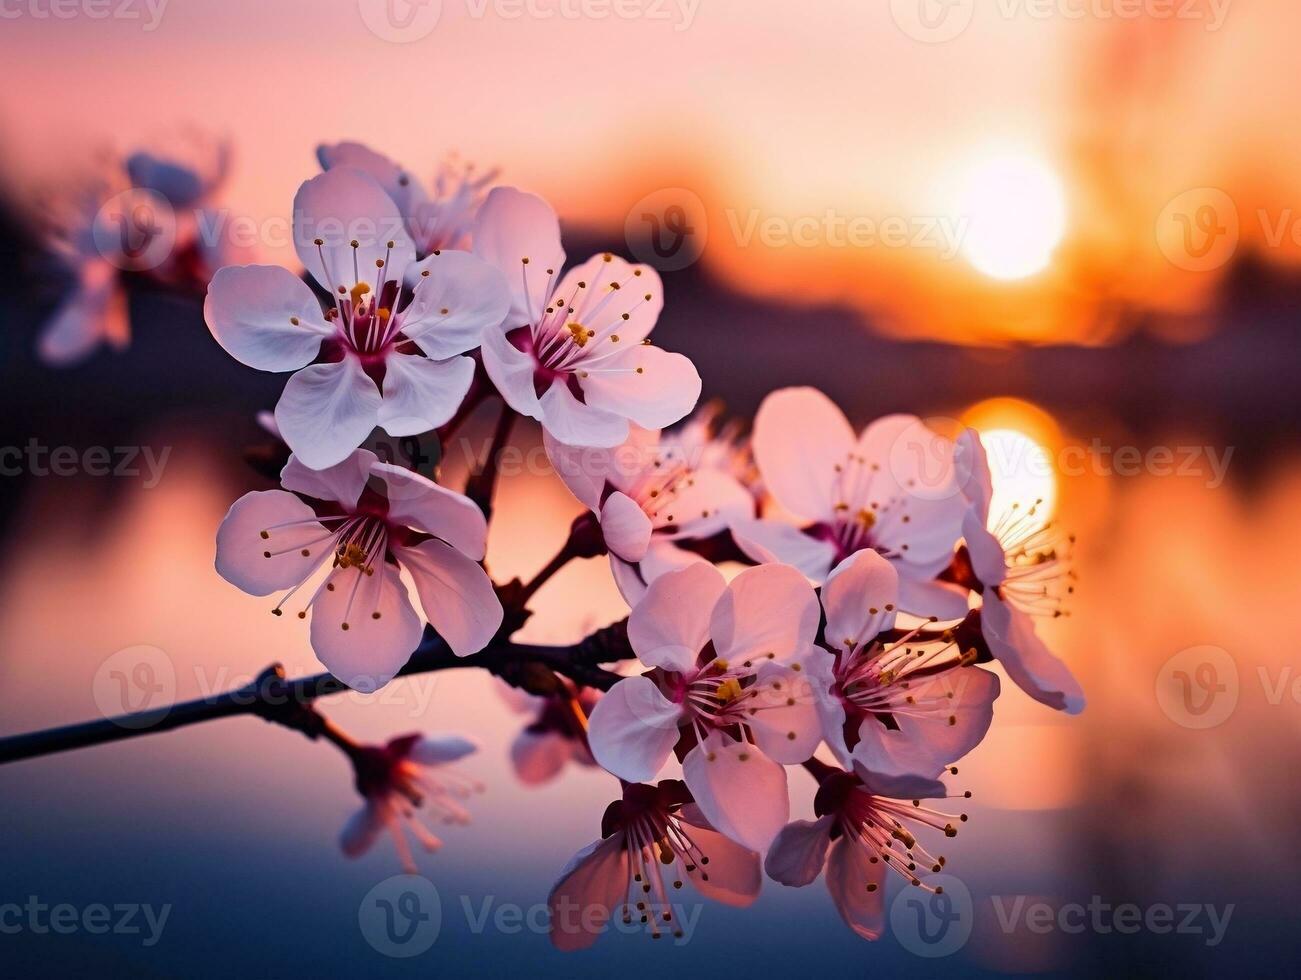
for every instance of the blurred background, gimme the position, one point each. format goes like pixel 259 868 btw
pixel 1072 225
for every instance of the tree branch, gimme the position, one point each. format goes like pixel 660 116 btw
pixel 274 698
pixel 482 485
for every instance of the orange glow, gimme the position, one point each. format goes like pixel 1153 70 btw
pixel 1021 442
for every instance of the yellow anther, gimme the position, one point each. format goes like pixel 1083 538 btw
pixel 728 690
pixel 580 333
pixel 358 291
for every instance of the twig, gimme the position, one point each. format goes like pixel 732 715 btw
pixel 482 485
pixel 289 702
pixel 585 541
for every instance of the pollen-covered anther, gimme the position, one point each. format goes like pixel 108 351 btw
pixel 579 333
pixel 728 690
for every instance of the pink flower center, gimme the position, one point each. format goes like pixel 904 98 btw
pixel 577 336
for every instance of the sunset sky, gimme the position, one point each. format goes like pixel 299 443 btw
pixel 1072 133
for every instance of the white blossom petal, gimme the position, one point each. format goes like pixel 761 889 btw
pixel 327 410
pixel 265 317
pixel 633 728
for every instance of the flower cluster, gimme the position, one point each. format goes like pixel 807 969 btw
pixel 808 597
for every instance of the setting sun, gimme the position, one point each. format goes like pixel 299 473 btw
pixel 1016 215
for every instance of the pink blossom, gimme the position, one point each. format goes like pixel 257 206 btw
pixel 865 824
pixel 138 214
pixel 397 779
pixel 726 690
pixel 573 352
pixel 1017 570
pixel 557 733
pixel 850 493
pixel 713 443
pixel 365 521
pixel 652 841
pixel 900 704
pixel 436 219
pixel 650 497
pixel 388 352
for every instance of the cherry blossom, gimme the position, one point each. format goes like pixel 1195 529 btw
pixel 712 442
pixel 897 705
pixel 438 218
pixel 395 780
pixel 365 521
pixel 387 352
pixel 652 841
pixel 187 169
pixel 865 824
pixel 557 733
pixel 726 691
pixel 573 352
pixel 649 497
pixel 849 493
pixel 1015 565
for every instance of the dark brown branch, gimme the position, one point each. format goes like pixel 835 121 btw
pixel 274 698
pixel 482 485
